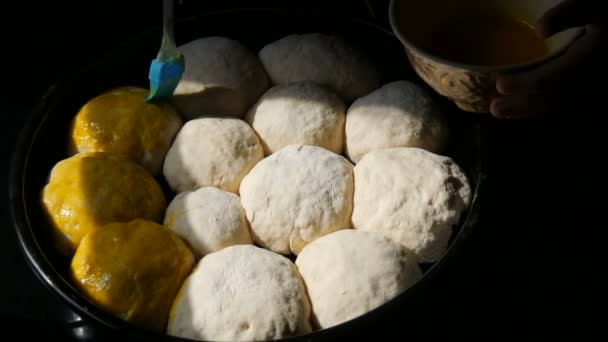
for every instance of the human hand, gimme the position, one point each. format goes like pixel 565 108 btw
pixel 553 85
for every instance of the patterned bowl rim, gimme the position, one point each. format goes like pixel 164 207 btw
pixel 474 67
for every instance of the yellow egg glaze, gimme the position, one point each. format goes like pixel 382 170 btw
pixel 89 190
pixel 133 270
pixel 120 121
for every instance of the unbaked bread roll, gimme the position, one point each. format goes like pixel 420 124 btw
pixel 350 272
pixel 208 219
pixel 120 121
pixel 132 270
pixel 222 77
pixel 302 113
pixel 212 152
pixel 91 189
pixel 296 195
pixel 412 196
pixel 399 114
pixel 321 58
pixel 241 293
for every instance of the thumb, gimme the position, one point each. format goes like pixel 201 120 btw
pixel 568 14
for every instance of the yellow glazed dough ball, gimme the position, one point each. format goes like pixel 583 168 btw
pixel 120 121
pixel 89 190
pixel 132 270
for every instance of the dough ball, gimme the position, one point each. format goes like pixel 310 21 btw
pixel 324 59
pixel 399 114
pixel 302 113
pixel 91 189
pixel 222 77
pixel 208 219
pixel 212 152
pixel 120 121
pixel 241 293
pixel 350 272
pixel 296 195
pixel 411 196
pixel 132 270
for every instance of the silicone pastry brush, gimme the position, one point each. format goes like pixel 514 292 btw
pixel 167 68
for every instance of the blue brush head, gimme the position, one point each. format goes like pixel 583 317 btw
pixel 164 77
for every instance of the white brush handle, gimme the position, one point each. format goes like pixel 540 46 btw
pixel 167 48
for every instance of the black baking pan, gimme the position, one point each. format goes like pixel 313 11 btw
pixel 43 143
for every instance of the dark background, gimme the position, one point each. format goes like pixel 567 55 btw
pixel 532 265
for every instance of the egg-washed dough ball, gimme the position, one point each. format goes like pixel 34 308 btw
pixel 302 113
pixel 91 189
pixel 212 152
pixel 412 196
pixel 120 121
pixel 208 219
pixel 399 114
pixel 132 270
pixel 350 272
pixel 222 77
pixel 321 58
pixel 241 293
pixel 296 195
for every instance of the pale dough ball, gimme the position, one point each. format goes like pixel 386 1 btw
pixel 411 196
pixel 324 59
pixel 302 113
pixel 212 152
pixel 350 272
pixel 399 114
pixel 222 77
pixel 208 219
pixel 241 293
pixel 296 195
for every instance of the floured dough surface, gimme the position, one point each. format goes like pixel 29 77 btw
pixel 211 151
pixel 399 114
pixel 302 113
pixel 208 219
pixel 241 293
pixel 321 58
pixel 350 272
pixel 412 196
pixel 222 77
pixel 296 195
